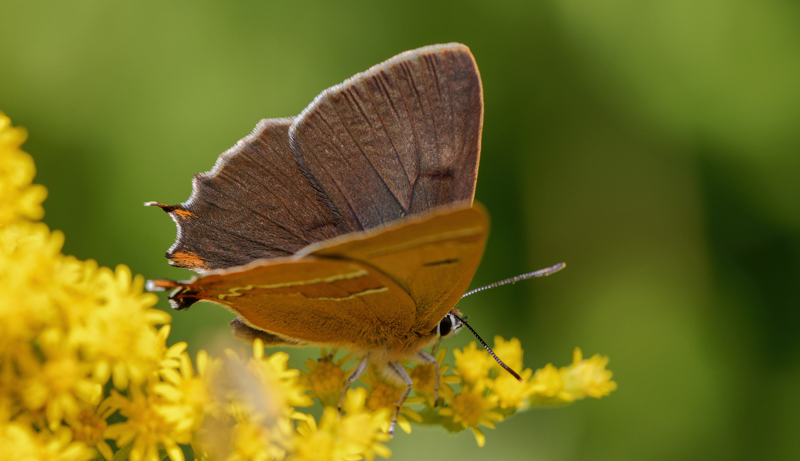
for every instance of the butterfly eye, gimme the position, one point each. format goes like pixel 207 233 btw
pixel 445 325
pixel 448 325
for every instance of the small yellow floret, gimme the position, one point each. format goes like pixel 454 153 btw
pixel 473 364
pixel 511 393
pixel 473 406
pixel 581 379
pixel 588 378
pixel 510 352
pixel 327 379
pixel 357 435
pixel 19 199
pixel 21 442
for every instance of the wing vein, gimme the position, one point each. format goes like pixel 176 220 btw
pixel 361 149
pixel 417 144
pixel 333 180
pixel 389 136
pixel 277 224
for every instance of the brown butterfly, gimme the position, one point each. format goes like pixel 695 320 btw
pixel 351 225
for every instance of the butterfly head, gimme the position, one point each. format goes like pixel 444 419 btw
pixel 454 321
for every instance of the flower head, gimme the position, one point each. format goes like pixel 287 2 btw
pixel 473 364
pixel 424 379
pixel 511 393
pixel 284 384
pixel 588 377
pixel 148 425
pixel 384 395
pixel 61 384
pixel 89 427
pixel 473 407
pixel 581 379
pixel 19 199
pixel 510 352
pixel 327 379
pixel 359 434
pixel 20 441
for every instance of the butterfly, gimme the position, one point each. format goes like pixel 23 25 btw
pixel 351 225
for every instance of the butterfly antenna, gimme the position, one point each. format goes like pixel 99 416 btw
pixel 529 275
pixel 491 352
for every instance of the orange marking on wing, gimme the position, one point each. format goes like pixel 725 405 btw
pixel 188 259
pixel 184 214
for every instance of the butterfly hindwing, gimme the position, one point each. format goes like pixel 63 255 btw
pixel 432 257
pixel 309 300
pixel 387 287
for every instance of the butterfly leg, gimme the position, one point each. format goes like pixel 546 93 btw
pixel 401 373
pixel 362 365
pixel 426 358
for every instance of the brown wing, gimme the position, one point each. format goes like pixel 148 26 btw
pixel 383 288
pixel 254 204
pixel 398 139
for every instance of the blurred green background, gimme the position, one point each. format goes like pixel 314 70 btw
pixel 653 146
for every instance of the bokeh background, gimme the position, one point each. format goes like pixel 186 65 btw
pixel 652 145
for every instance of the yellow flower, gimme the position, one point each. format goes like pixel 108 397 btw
pixel 362 429
pixel 510 352
pixel 62 385
pixel 512 394
pixel 473 406
pixel 384 395
pixel 120 334
pixel 327 379
pixel 18 198
pixel 89 427
pixel 318 442
pixel 148 426
pixel 283 383
pixel 473 364
pixel 588 378
pixel 29 261
pixel 21 442
pixel 255 442
pixel 424 379
pixel 581 379
pixel 359 434
pixel 66 325
pixel 256 401
pixel 548 386
pixel 186 397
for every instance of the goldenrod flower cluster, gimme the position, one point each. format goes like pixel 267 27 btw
pixel 486 394
pixel 86 372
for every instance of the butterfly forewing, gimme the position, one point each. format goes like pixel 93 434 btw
pixel 254 204
pixel 398 139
